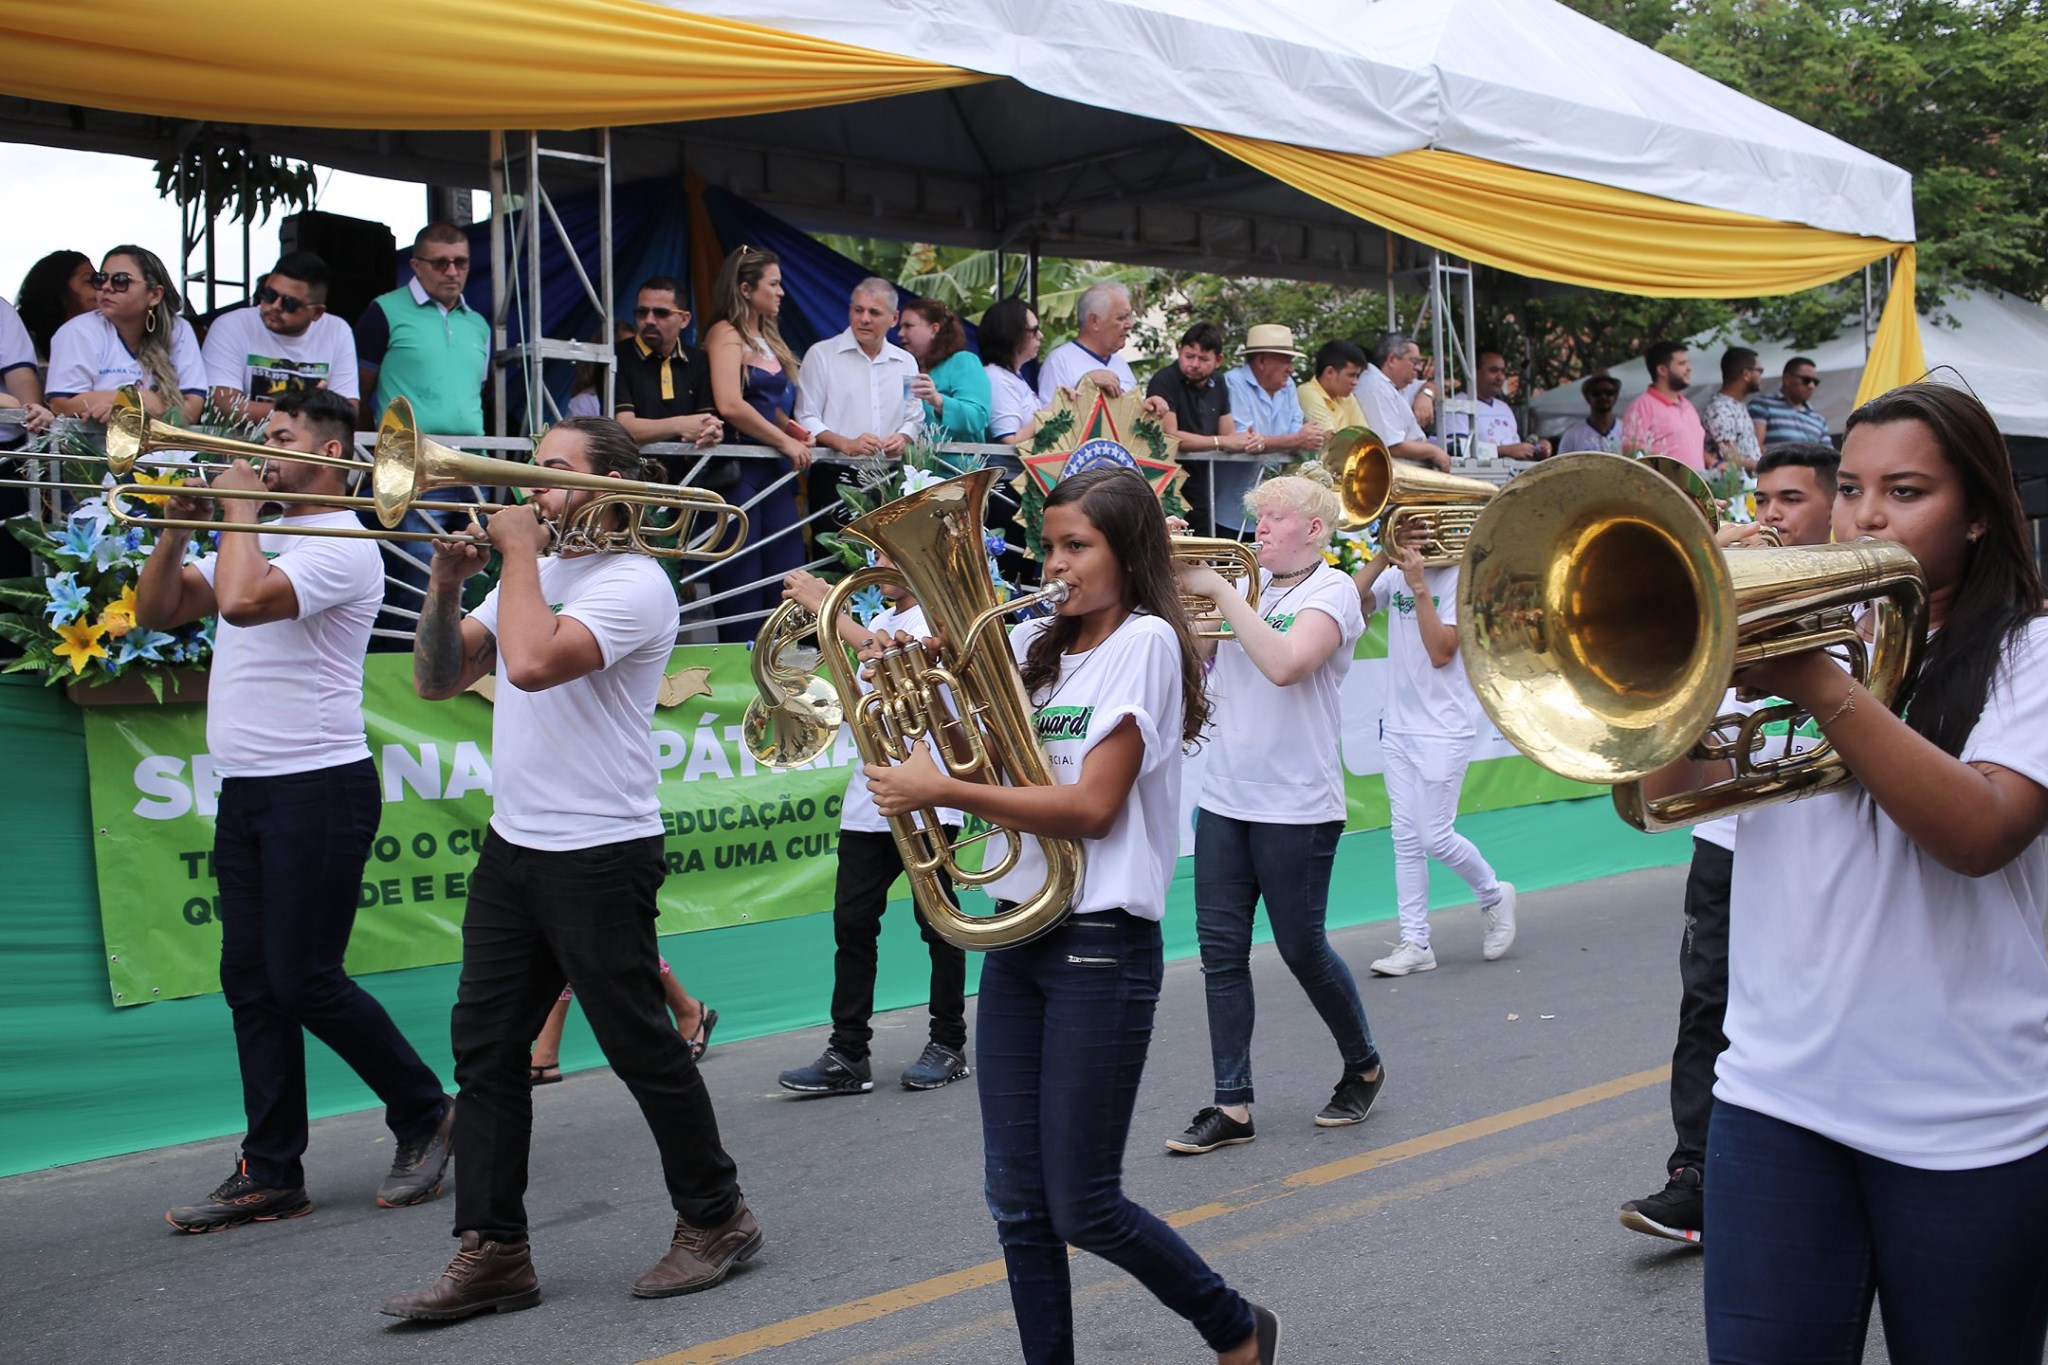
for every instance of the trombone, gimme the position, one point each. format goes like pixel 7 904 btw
pixel 1375 487
pixel 407 466
pixel 1602 627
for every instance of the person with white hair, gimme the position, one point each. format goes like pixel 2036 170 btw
pixel 1106 315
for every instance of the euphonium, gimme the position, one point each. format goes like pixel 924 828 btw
pixel 1601 627
pixel 934 541
pixel 1375 487
pixel 1236 560
pixel 797 715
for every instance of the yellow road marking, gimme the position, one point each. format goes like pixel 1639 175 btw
pixel 852 1314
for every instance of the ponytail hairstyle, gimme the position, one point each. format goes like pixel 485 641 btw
pixel 1121 505
pixel 2001 588
pixel 743 270
pixel 154 352
pixel 611 451
pixel 951 338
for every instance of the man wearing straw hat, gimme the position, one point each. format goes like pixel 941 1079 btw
pixel 1265 405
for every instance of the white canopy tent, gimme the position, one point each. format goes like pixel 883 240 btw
pixel 1992 341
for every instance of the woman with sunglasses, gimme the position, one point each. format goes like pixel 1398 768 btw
pixel 1880 1123
pixel 135 337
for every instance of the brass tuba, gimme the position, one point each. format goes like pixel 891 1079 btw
pixel 797 714
pixel 1236 560
pixel 934 540
pixel 1376 487
pixel 1601 628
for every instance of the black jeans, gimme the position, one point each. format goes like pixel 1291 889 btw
pixel 1065 1022
pixel 869 864
pixel 1703 970
pixel 535 920
pixel 289 853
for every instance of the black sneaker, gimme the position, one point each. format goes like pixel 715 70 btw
pixel 940 1065
pixel 1351 1101
pixel 1266 1327
pixel 1678 1211
pixel 421 1165
pixel 831 1074
pixel 1212 1128
pixel 240 1200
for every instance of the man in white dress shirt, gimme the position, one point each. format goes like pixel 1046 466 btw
pixel 853 388
pixel 1396 360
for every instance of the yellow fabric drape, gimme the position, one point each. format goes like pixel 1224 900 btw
pixel 446 64
pixel 1556 228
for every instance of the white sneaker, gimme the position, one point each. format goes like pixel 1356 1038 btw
pixel 1499 919
pixel 1409 957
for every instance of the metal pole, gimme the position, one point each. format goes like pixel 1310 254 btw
pixel 1866 312
pixel 604 246
pixel 1393 321
pixel 1436 340
pixel 530 346
pixel 499 284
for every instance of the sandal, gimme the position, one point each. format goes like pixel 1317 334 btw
pixel 537 1074
pixel 701 1039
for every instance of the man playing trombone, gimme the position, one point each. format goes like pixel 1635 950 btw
pixel 299 806
pixel 564 887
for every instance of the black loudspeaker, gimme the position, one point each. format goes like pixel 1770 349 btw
pixel 359 256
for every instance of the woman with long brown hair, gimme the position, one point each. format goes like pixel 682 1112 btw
pixel 753 386
pixel 134 337
pixel 951 383
pixel 1880 1124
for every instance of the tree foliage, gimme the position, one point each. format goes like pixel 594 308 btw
pixel 248 186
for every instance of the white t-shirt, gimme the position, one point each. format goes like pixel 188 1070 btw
pixel 244 355
pixel 87 355
pixel 1879 999
pixel 573 766
pixel 1012 402
pixel 1136 672
pixel 287 697
pixel 1274 756
pixel 17 348
pixel 1391 415
pixel 1069 361
pixel 588 403
pixel 1422 699
pixel 1492 420
pixel 857 811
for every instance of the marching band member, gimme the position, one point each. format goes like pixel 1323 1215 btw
pixel 1880 1120
pixel 1426 743
pixel 869 864
pixel 1065 1020
pixel 1268 822
pixel 298 810
pixel 564 887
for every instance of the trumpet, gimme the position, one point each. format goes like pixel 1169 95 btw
pixel 1236 560
pixel 798 713
pixel 1601 628
pixel 1375 487
pixel 933 538
pixel 408 466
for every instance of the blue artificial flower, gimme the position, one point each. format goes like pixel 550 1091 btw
pixel 95 512
pixel 80 540
pixel 996 544
pixel 68 601
pixel 867 604
pixel 995 576
pixel 139 643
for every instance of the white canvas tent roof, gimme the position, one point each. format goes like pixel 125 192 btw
pixel 1993 341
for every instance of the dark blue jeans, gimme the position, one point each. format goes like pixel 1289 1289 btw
pixel 1063 1027
pixel 1237 861
pixel 585 916
pixel 289 853
pixel 1802 1232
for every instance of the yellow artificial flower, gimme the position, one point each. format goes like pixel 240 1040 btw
pixel 82 644
pixel 170 478
pixel 119 617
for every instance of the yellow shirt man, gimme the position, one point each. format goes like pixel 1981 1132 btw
pixel 1328 412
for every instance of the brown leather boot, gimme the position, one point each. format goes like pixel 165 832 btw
pixel 484 1277
pixel 699 1258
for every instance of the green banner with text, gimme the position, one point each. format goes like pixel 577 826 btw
pixel 745 843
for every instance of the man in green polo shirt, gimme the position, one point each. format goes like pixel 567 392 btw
pixel 421 342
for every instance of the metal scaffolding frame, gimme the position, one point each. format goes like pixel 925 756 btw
pixel 519 220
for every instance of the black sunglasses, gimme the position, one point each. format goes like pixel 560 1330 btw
pixel 286 304
pixel 658 314
pixel 118 281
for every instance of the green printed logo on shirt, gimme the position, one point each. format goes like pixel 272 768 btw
pixel 1281 623
pixel 1064 722
pixel 1404 603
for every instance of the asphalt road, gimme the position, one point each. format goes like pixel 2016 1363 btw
pixel 1471 1219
